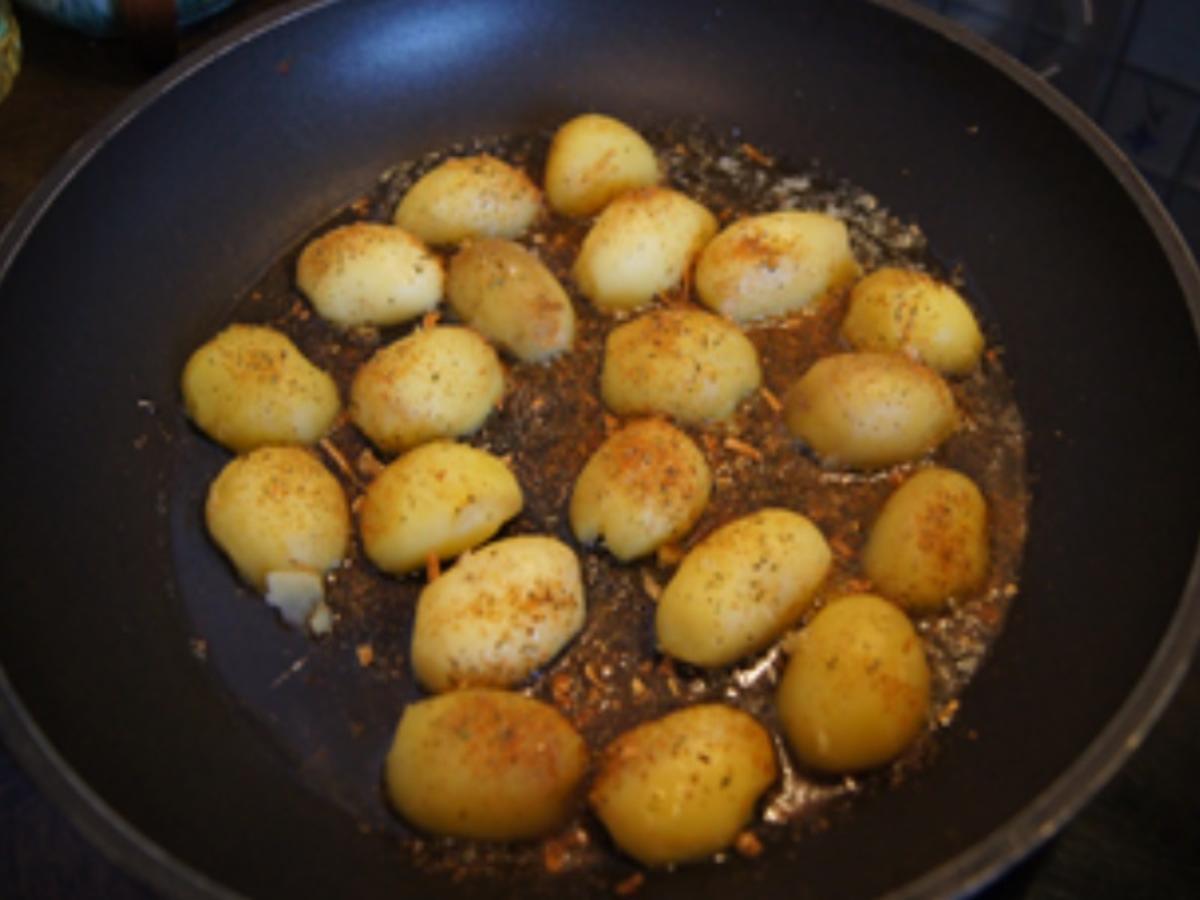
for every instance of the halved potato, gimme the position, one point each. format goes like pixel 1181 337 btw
pixel 473 196
pixel 774 264
pixel 368 273
pixel 592 159
pixel 485 764
pixel 250 386
pixel 690 365
pixel 500 613
pixel 505 293
pixel 682 787
pixel 641 245
pixel 437 500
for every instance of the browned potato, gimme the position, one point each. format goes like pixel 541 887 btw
pixel 506 294
pixel 930 542
pixel 855 692
pixel 645 486
pixel 485 764
pixel 869 410
pixel 682 787
pixel 592 159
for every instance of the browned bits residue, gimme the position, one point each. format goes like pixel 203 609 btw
pixel 771 400
pixel 630 885
pixel 562 689
pixel 361 206
pixel 368 464
pixel 947 712
pixel 430 319
pixel 433 567
pixel 652 588
pixel 748 845
pixel 365 654
pixel 755 155
pixel 199 648
pixel 669 554
pixel 561 851
pixel 741 448
pixel 330 449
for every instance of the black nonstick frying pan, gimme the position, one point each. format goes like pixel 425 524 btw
pixel 142 243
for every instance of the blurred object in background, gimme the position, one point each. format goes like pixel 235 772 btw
pixel 10 48
pixel 110 18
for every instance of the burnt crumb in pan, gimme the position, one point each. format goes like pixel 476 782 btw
pixel 334 708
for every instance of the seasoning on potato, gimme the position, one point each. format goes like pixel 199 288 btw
pixel 440 499
pixel 466 197
pixel 485 764
pixel 930 541
pixel 641 245
pixel 682 787
pixel 645 486
pixel 774 264
pixel 438 382
pixel 855 692
pixel 870 410
pixel 250 386
pixel 500 613
pixel 690 365
pixel 505 293
pixel 283 521
pixel 594 158
pixel 910 312
pixel 741 587
pixel 368 273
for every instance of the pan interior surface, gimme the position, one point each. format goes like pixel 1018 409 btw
pixel 117 275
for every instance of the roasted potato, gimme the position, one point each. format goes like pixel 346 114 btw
pixel 368 273
pixel 641 245
pixel 690 365
pixel 910 312
pixel 500 613
pixel 774 264
pixel 485 764
pixel 645 486
pixel 465 197
pixel 930 541
pixel 592 159
pixel 250 386
pixel 438 382
pixel 437 500
pixel 741 587
pixel 505 293
pixel 682 787
pixel 870 410
pixel 855 692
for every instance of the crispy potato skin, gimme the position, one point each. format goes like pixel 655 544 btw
pixel 367 273
pixel 870 410
pixel 466 197
pixel 741 587
pixel 594 158
pixel 930 541
pixel 855 692
pixel 438 382
pixel 683 363
pixel 484 764
pixel 909 312
pixel 681 787
pixel 278 509
pixel 645 486
pixel 438 500
pixel 505 293
pixel 250 386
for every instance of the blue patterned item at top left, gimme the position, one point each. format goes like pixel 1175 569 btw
pixel 100 18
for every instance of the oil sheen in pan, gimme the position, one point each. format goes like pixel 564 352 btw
pixel 329 706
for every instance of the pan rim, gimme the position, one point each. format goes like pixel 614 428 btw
pixel 971 870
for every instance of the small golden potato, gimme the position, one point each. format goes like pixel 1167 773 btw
pixel 251 386
pixel 437 500
pixel 367 273
pixel 646 485
pixel 774 264
pixel 506 294
pixel 683 363
pixel 592 159
pixel 930 541
pixel 485 764
pixel 278 509
pixel 682 787
pixel 437 382
pixel 869 410
pixel 500 613
pixel 741 587
pixel 641 245
pixel 910 312
pixel 856 689
pixel 473 196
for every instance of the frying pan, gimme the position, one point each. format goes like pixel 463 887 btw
pixel 145 238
